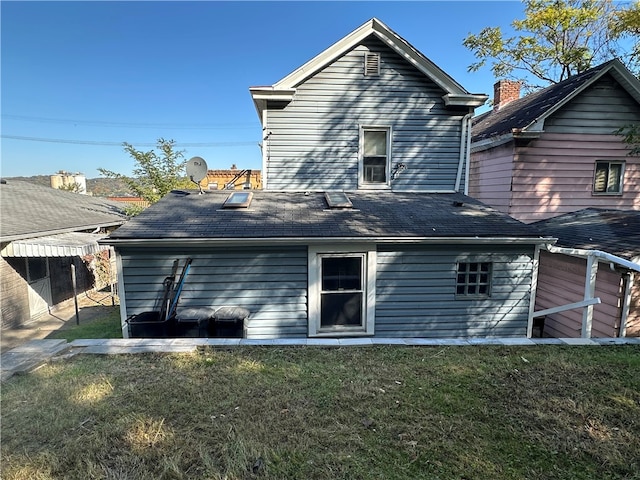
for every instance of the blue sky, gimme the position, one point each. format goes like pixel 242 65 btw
pixel 80 78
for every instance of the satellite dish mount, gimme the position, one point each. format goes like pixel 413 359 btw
pixel 197 171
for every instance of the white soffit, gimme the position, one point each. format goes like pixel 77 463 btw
pixel 62 245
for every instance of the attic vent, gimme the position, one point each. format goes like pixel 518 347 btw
pixel 337 200
pixel 372 64
pixel 238 200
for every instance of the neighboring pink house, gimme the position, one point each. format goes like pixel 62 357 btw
pixel 555 152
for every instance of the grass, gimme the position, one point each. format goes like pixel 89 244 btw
pixel 384 412
pixel 106 325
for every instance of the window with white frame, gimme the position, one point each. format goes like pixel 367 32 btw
pixel 473 279
pixel 341 292
pixel 608 176
pixel 375 157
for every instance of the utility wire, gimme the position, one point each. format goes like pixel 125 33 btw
pixel 120 144
pixel 99 123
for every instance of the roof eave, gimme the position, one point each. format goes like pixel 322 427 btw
pixel 93 226
pixel 262 241
pixel 472 100
pixel 262 95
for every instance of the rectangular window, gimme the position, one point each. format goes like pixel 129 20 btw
pixel 608 178
pixel 375 157
pixel 341 292
pixel 473 279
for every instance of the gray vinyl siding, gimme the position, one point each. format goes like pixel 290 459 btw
pixel 601 109
pixel 313 142
pixel 270 283
pixel 415 294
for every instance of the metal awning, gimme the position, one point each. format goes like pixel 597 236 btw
pixel 62 245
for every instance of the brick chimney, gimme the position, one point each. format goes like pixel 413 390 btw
pixel 504 92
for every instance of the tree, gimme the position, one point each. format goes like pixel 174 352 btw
pixel 631 136
pixel 556 40
pixel 74 187
pixel 626 24
pixel 155 175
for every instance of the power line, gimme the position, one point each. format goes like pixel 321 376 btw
pixel 100 123
pixel 120 144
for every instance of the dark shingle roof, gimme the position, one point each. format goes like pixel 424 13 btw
pixel 612 231
pixel 29 210
pixel 521 113
pixel 306 215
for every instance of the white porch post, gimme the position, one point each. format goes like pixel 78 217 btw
pixel 589 293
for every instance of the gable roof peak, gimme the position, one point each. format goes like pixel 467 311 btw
pixel 284 89
pixel 527 114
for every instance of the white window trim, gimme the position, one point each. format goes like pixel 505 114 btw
pixel 374 186
pixel 622 171
pixel 315 286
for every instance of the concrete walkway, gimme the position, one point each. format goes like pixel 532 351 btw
pixel 35 353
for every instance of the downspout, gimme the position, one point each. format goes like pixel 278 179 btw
pixel 468 159
pixel 461 161
pixel 534 290
pixel 265 150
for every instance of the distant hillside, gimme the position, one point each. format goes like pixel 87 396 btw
pixel 98 187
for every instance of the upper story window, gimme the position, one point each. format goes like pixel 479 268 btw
pixel 371 64
pixel 375 157
pixel 607 179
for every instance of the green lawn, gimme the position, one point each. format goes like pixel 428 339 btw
pixel 106 326
pixel 384 412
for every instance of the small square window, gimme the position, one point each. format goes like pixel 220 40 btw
pixel 607 179
pixel 473 279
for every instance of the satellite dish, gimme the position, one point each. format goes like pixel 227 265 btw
pixel 197 170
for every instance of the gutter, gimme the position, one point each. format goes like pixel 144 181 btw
pixel 200 242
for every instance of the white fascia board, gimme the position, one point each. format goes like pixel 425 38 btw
pixel 467 100
pixel 261 95
pixel 491 142
pixel 255 242
pixel 319 61
pixel 395 42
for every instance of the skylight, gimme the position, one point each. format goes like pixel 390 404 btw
pixel 337 200
pixel 238 200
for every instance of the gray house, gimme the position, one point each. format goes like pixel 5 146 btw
pixel 43 232
pixel 363 228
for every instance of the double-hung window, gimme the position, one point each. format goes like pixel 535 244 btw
pixel 341 292
pixel 375 157
pixel 607 179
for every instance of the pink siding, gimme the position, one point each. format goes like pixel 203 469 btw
pixel 554 175
pixel 490 179
pixel 561 280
